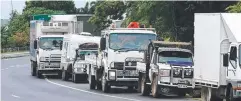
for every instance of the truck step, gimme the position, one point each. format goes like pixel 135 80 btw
pixel 46 74
pixel 148 83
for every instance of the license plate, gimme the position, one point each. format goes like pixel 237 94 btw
pixel 127 73
pixel 52 64
pixel 182 86
pixel 182 81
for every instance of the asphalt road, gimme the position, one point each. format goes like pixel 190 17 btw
pixel 18 85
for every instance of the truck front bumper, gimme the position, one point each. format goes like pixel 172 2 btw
pixel 116 78
pixel 46 66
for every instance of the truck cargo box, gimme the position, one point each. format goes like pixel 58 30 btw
pixel 213 34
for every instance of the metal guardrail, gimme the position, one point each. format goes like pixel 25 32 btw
pixel 14 49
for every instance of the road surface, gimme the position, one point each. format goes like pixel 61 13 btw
pixel 19 85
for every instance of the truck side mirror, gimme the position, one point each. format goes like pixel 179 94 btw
pixel 35 44
pixel 102 43
pixel 225 60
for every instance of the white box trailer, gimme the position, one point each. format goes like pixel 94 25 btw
pixel 217 55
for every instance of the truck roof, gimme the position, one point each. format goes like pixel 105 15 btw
pixel 79 38
pixel 51 36
pixel 131 30
pixel 232 23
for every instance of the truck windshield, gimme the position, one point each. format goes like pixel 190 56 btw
pixel 130 41
pixel 50 42
pixel 82 53
pixel 176 56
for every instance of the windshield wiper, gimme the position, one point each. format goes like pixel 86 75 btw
pixel 49 48
pixel 119 49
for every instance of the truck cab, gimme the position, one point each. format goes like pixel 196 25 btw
pixel 73 62
pixel 167 69
pixel 46 38
pixel 120 49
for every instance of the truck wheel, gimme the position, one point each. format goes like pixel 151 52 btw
pixel 139 84
pixel 33 69
pixel 105 86
pixel 75 78
pixel 98 85
pixel 155 88
pixel 65 75
pixel 38 74
pixel 229 94
pixel 195 93
pixel 145 89
pixel 206 95
pixel 92 81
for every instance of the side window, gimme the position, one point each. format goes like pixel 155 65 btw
pixel 233 56
pixel 233 53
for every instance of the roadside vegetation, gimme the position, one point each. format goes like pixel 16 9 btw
pixel 172 20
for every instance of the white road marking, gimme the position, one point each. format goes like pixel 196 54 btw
pixel 15 96
pixel 89 91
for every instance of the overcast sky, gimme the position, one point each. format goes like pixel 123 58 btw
pixel 19 5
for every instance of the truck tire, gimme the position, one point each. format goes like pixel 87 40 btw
pixel 75 78
pixel 105 86
pixel 145 89
pixel 195 93
pixel 65 75
pixel 38 74
pixel 229 94
pixel 92 82
pixel 98 85
pixel 33 68
pixel 155 88
pixel 139 84
pixel 207 95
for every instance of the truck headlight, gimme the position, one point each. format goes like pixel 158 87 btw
pixel 41 65
pixel 164 72
pixel 188 72
pixel 112 75
pixel 177 72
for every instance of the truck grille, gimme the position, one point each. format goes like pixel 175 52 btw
pixel 130 63
pixel 118 65
pixel 182 73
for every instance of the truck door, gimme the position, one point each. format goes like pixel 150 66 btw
pixel 233 63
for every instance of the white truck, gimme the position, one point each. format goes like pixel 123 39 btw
pixel 74 49
pixel 167 69
pixel 120 49
pixel 46 37
pixel 217 55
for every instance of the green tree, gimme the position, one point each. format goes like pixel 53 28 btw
pixel 105 11
pixel 172 19
pixel 19 25
pixel 89 8
pixel 235 8
pixel 66 6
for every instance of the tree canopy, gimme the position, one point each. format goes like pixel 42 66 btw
pixel 172 19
